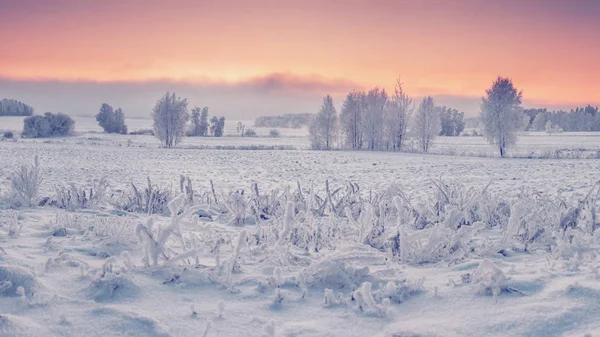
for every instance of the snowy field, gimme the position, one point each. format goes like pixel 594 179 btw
pixel 398 245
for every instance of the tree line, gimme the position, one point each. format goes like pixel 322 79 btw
pixel 376 121
pixel 12 107
pixel 585 119
pixel 294 121
pixel 170 117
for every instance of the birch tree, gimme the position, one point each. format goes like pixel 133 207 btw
pixel 501 114
pixel 323 127
pixel 375 100
pixel 351 119
pixel 399 112
pixel 170 115
pixel 427 123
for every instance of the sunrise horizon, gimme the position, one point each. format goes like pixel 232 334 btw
pixel 304 50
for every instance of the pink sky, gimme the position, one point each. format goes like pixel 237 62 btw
pixel 549 48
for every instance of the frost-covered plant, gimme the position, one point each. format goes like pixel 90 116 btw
pixel 152 200
pixel 74 198
pixel 14 226
pixel 26 182
pixel 489 279
pixel 237 204
pixel 154 242
pixel 185 186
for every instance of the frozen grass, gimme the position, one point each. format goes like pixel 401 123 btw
pixel 298 243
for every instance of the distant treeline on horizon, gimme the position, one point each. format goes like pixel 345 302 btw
pixel 585 119
pixel 294 121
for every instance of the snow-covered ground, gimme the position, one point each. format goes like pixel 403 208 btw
pixel 408 258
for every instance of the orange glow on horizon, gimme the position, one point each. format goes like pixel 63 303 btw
pixel 437 48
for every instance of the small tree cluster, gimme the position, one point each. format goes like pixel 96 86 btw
pixel 451 121
pixel 374 121
pixel 112 121
pixel 48 125
pixel 199 122
pixel 217 126
pixel 12 107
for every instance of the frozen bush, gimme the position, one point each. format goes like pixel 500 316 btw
pixel 74 197
pixel 273 133
pixel 152 200
pixel 8 135
pixel 25 183
pixel 48 125
pixel 250 133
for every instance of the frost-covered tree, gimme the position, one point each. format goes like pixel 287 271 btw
pixel 170 115
pixel 323 127
pixel 112 121
pixel 350 120
pixel 539 122
pixel 427 123
pixel 452 121
pixel 399 112
pixel 240 128
pixel 372 123
pixel 217 126
pixel 199 122
pixel 501 114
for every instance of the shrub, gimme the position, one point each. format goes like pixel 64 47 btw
pixel 152 200
pixel 48 125
pixel 25 183
pixel 8 135
pixel 251 133
pixel 273 133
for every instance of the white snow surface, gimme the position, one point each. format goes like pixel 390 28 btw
pixel 91 279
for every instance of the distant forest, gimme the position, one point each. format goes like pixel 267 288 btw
pixel 580 119
pixel 12 107
pixel 294 121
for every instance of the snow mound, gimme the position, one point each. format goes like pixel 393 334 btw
pixel 112 287
pixel 125 321
pixel 488 278
pixel 17 326
pixel 13 277
pixel 348 268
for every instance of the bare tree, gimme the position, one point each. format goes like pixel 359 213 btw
pixel 399 112
pixel 240 128
pixel 323 126
pixel 170 115
pixel 350 119
pixel 427 123
pixel 372 123
pixel 501 114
